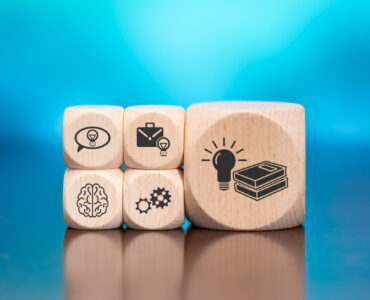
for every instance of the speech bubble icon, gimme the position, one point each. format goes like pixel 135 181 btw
pixel 92 137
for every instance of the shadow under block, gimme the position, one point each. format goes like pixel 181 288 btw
pixel 93 137
pixel 92 199
pixel 153 199
pixel 245 265
pixel 154 137
pixel 93 264
pixel 245 165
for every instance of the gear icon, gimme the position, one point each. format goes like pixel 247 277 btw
pixel 160 197
pixel 143 205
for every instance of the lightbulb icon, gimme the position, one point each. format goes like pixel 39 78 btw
pixel 92 136
pixel 224 161
pixel 163 144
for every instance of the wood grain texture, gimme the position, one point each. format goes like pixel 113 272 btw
pixel 245 265
pixel 93 264
pixel 153 264
pixel 101 151
pixel 265 137
pixel 92 199
pixel 167 213
pixel 170 119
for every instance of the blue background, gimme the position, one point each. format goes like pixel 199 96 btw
pixel 54 54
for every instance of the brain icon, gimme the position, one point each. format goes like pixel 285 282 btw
pixel 92 201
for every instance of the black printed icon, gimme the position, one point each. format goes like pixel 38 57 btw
pixel 92 201
pixel 152 136
pixel 159 198
pixel 163 144
pixel 92 137
pixel 223 160
pixel 143 205
pixel 260 180
pixel 147 136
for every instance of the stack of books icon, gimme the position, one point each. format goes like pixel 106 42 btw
pixel 260 180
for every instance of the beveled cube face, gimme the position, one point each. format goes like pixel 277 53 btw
pixel 153 199
pixel 93 137
pixel 245 165
pixel 154 137
pixel 92 199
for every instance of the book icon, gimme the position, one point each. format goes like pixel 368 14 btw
pixel 260 180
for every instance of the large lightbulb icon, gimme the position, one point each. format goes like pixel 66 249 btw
pixel 163 144
pixel 224 161
pixel 92 136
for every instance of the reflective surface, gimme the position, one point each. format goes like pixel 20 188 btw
pixel 327 258
pixel 238 265
pixel 166 265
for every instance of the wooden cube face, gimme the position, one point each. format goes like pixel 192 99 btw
pixel 154 137
pixel 153 199
pixel 245 165
pixel 93 137
pixel 92 199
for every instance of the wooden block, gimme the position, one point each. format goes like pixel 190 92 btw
pixel 154 137
pixel 93 137
pixel 245 165
pixel 92 199
pixel 153 264
pixel 245 265
pixel 153 199
pixel 93 264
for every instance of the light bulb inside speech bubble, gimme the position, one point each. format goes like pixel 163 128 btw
pixel 84 136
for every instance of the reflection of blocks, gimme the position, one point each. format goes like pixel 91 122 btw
pixel 225 143
pixel 268 256
pixel 93 137
pixel 260 180
pixel 154 137
pixel 93 199
pixel 93 264
pixel 153 199
pixel 153 265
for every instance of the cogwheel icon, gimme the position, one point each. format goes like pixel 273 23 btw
pixel 143 205
pixel 160 197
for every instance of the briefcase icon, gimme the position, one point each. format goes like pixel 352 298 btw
pixel 147 136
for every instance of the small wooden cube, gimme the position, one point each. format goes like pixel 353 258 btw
pixel 93 137
pixel 153 264
pixel 245 165
pixel 92 199
pixel 93 264
pixel 153 199
pixel 154 137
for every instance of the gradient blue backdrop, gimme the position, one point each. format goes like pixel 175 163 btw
pixel 54 54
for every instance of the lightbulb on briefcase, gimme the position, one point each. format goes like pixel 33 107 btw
pixel 152 136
